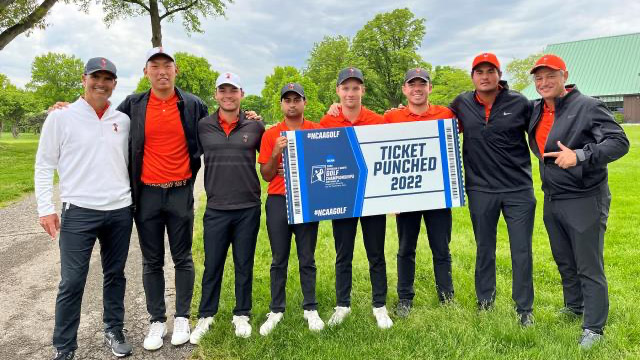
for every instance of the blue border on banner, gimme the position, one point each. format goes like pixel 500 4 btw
pixel 458 157
pixel 362 167
pixel 287 179
pixel 303 176
pixel 445 163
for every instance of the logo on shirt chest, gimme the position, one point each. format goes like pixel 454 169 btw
pixel 115 127
pixel 245 138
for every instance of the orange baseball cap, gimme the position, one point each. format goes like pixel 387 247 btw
pixel 551 61
pixel 486 58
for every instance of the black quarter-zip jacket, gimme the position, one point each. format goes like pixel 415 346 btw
pixel 495 153
pixel 583 124
pixel 230 177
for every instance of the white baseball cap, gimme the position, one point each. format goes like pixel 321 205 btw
pixel 229 78
pixel 156 51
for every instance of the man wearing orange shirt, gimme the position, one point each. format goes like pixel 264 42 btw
pixel 292 102
pixel 575 136
pixel 350 89
pixel 416 88
pixel 164 161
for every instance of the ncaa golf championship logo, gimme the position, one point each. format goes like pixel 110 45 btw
pixel 318 173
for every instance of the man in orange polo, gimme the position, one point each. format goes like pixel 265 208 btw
pixel 292 102
pixel 350 89
pixel 416 88
pixel 575 136
pixel 498 180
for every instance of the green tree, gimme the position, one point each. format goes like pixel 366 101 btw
pixel 271 94
pixel 388 44
pixel 518 70
pixel 56 77
pixel 327 58
pixel 195 75
pixel 189 12
pixel 449 82
pixel 19 16
pixel 15 105
pixel 254 103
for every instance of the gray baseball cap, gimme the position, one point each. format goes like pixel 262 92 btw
pixel 349 73
pixel 292 87
pixel 99 64
pixel 417 73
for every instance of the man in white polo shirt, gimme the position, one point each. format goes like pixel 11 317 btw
pixel 87 143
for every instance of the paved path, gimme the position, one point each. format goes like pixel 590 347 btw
pixel 29 276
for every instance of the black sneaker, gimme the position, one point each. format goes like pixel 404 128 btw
pixel 526 319
pixel 403 308
pixel 445 298
pixel 64 355
pixel 119 345
pixel 570 312
pixel 485 305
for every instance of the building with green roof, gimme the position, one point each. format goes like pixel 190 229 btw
pixel 606 68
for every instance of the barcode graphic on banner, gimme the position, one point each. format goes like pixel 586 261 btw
pixel 453 162
pixel 295 178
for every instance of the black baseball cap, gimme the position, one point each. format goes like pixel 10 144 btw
pixel 292 87
pixel 349 73
pixel 100 64
pixel 417 73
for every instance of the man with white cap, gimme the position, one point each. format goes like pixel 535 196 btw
pixel 164 163
pixel 229 142
pixel 88 144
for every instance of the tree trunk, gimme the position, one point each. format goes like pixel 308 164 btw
pixel 1 127
pixel 27 23
pixel 156 27
pixel 14 131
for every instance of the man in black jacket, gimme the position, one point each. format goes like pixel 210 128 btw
pixel 164 162
pixel 229 142
pixel 575 136
pixel 497 167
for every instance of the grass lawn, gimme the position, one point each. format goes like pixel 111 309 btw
pixel 17 157
pixel 442 332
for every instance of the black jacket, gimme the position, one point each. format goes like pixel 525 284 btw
pixel 583 124
pixel 495 152
pixel 191 109
pixel 230 177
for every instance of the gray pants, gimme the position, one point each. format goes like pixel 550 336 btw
pixel 518 209
pixel 576 230
pixel 79 229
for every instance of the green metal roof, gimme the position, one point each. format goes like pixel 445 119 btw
pixel 600 67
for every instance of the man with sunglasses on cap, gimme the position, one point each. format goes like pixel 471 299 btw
pixel 292 102
pixel 416 88
pixel 350 89
pixel 575 136
pixel 87 143
pixel 229 142
pixel 164 163
pixel 497 164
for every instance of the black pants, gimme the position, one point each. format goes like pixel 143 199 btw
pixel 373 234
pixel 576 229
pixel 280 233
pixel 518 209
pixel 79 229
pixel 171 209
pixel 222 228
pixel 438 224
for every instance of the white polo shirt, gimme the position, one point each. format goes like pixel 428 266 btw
pixel 91 156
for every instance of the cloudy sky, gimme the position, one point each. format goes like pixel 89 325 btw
pixel 257 35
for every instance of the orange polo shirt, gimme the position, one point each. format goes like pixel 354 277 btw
pixel 166 156
pixel 434 112
pixel 276 185
pixel 227 127
pixel 366 117
pixel 544 127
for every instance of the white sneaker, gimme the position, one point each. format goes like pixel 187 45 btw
pixel 314 320
pixel 201 328
pixel 339 315
pixel 181 331
pixel 153 340
pixel 382 317
pixel 272 320
pixel 243 328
